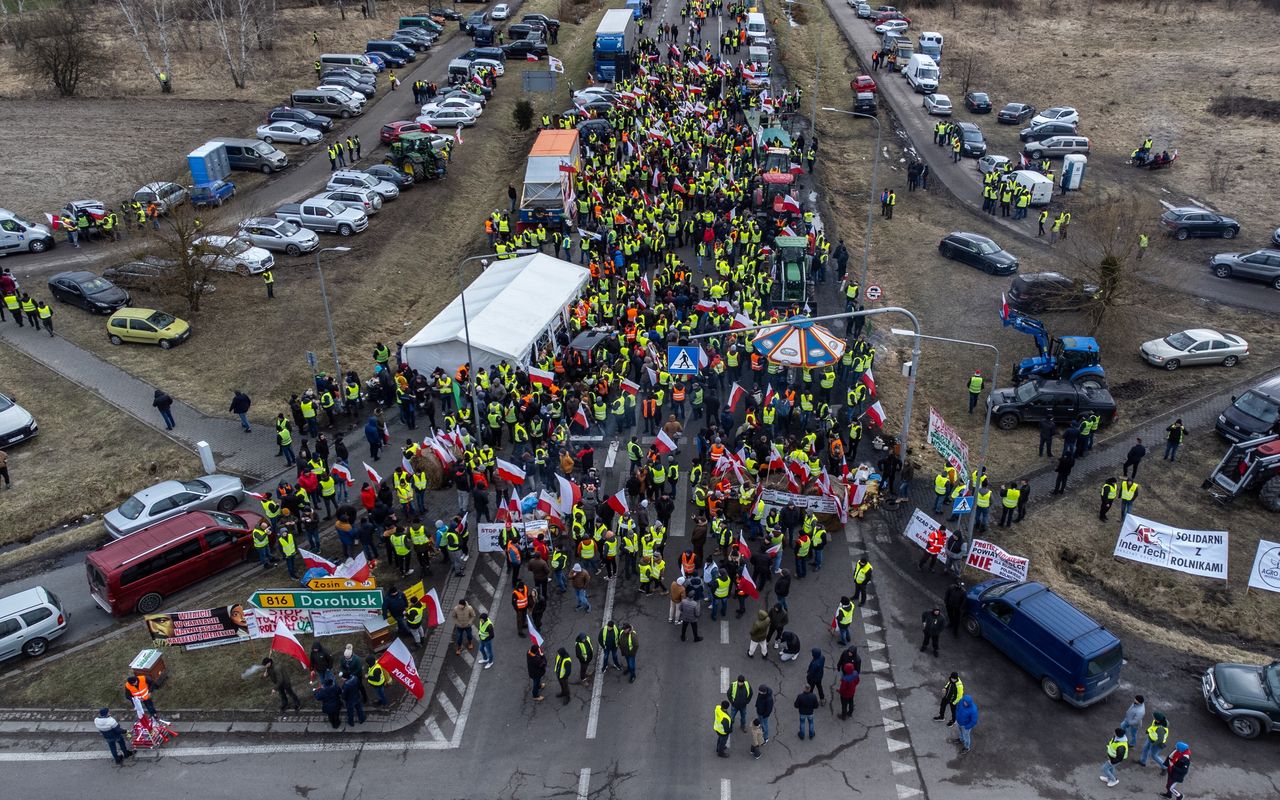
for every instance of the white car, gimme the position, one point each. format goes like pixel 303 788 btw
pixel 449 118
pixel 863 9
pixel 292 132
pixel 232 254
pixel 500 11
pixel 593 93
pixel 491 63
pixel 276 234
pixel 453 102
pixel 352 96
pixel 893 26
pixel 938 105
pixel 1063 114
pixel 1195 346
pixel 992 164
pixel 16 423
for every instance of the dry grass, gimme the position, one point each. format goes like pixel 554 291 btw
pixel 89 455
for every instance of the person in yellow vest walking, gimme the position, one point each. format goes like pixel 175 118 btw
pixel 1117 751
pixel 1108 495
pixel 722 724
pixel 45 315
pixel 1128 492
pixel 975 388
pixel 269 279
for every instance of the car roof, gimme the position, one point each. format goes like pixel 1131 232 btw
pixel 148 540
pixel 74 276
pixel 154 185
pixel 967 125
pixel 1190 210
pixel 1205 333
pixel 1065 621
pixel 134 312
pixel 21 601
pixel 262 221
pixel 973 237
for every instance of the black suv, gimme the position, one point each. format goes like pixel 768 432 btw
pixel 1045 130
pixel 289 114
pixel 1034 292
pixel 1060 401
pixel 1195 221
pixel 971 141
pixel 553 25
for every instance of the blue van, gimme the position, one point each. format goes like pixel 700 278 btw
pixel 1074 658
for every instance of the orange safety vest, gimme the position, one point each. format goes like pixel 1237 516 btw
pixel 717 450
pixel 688 563
pixel 650 407
pixel 936 541
pixel 677 393
pixel 522 597
pixel 757 362
pixel 140 691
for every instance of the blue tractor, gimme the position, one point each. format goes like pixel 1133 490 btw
pixel 1069 358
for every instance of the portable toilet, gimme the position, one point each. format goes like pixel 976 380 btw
pixel 1073 171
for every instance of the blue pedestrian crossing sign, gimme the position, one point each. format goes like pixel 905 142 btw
pixel 962 504
pixel 683 359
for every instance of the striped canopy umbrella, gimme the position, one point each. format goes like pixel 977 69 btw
pixel 799 342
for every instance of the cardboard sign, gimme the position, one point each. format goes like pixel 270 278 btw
pixel 1266 567
pixel 918 528
pixel 489 534
pixel 817 503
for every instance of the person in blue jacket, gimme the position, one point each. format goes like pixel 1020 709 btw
pixel 966 721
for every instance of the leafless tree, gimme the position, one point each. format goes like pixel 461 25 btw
pixel 59 47
pixel 1103 241
pixel 148 18
pixel 968 66
pixel 189 269
pixel 233 30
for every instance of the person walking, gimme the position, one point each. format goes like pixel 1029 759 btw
pixel 861 579
pixel 722 724
pixel 564 668
pixel 1024 494
pixel 629 644
pixel 690 610
pixel 463 616
pixel 806 703
pixel 608 641
pixel 4 469
pixel 1157 736
pixel 580 579
pixel 163 403
pixel 1134 458
pixel 843 619
pixel 1063 470
pixel 536 663
pixel 739 695
pixel 484 633
pixel 585 652
pixel 1117 751
pixel 1134 718
pixel 847 689
pixel 817 669
pixel 1128 493
pixel 975 389
pixel 1177 767
pixel 757 737
pixel 758 636
pixel 278 677
pixel 117 740
pixel 1175 433
pixel 952 693
pixel 240 403
pixel 931 623
pixel 966 721
pixel 764 709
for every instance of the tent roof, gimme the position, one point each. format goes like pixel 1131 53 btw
pixel 508 306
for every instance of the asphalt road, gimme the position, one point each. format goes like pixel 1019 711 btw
pixel 1186 263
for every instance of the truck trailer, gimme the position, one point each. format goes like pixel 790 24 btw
pixel 547 196
pixel 614 40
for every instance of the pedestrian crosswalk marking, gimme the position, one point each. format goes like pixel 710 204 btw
pixel 899 767
pixel 433 728
pixel 878 666
pixel 724 631
pixel 870 629
pixel 471 662
pixel 891 725
pixel 874 645
pixel 906 791
pixel 458 683
pixel 869 612
pixel 485 584
pixel 724 680
pixel 449 708
pixel 882 684
pixel 886 703
pixel 895 745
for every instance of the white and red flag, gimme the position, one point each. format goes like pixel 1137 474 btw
pixel 286 643
pixel 510 472
pixel 398 662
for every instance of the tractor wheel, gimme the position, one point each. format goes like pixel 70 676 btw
pixel 1269 495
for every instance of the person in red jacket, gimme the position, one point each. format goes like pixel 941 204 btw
pixel 847 689
pixel 368 496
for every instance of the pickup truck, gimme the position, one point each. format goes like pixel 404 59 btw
pixel 1061 401
pixel 324 216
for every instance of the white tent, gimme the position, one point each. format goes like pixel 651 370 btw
pixel 512 306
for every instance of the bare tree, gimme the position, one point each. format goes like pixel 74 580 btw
pixel 968 66
pixel 233 29
pixel 148 17
pixel 188 269
pixel 59 48
pixel 1104 243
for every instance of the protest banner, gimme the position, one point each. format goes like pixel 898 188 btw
pixel 489 534
pixel 1265 574
pixel 992 558
pixel 263 623
pixel 1202 553
pixel 948 443
pixel 205 627
pixel 918 528
pixel 334 621
pixel 817 503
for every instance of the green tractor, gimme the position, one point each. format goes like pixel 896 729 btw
pixel 417 155
pixel 792 287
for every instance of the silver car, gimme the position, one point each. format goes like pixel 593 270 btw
pixel 361 199
pixel 165 194
pixel 938 105
pixel 16 423
pixel 270 233
pixel 170 498
pixel 1194 347
pixel 292 132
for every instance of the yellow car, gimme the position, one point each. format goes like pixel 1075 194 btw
pixel 147 326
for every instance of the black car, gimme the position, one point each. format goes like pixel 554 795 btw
pixel 496 53
pixel 978 251
pixel 523 30
pixel 1182 223
pixel 977 102
pixel 388 173
pixel 523 47
pixel 338 79
pixel 1046 130
pixel 972 143
pixel 1061 401
pixel 288 114
pixel 1251 414
pixel 88 291
pixel 600 127
pixel 864 103
pixel 1015 113
pixel 553 25
pixel 476 18
pixel 1034 292
pixel 443 13
pixel 409 40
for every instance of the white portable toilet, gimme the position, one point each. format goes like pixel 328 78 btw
pixel 1073 171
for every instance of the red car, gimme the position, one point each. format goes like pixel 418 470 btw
pixel 863 83
pixel 391 131
pixel 878 17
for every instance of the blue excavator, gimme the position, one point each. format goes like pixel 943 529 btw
pixel 1069 358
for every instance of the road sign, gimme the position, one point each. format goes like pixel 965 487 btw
pixel 539 81
pixel 682 359
pixel 305 598
pixel 962 504
pixel 338 584
pixel 874 292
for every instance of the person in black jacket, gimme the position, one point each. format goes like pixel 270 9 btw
pixel 954 601
pixel 1065 464
pixel 806 703
pixel 240 403
pixel 814 675
pixel 932 623
pixel 330 700
pixel 536 661
pixel 163 403
pixel 782 588
pixel 764 709
pixel 849 656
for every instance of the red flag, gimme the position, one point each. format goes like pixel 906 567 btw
pixel 406 465
pixel 312 561
pixel 1004 307
pixel 580 417
pixel 743 547
pixel 747 586
pixel 548 504
pixel 736 393
pixel 398 662
pixel 570 494
pixel 876 412
pixel 664 443
pixel 677 186
pixel 356 569
pixel 793 485
pixel 740 321
pixel 543 377
pixel 286 643
pixel 431 606
pixel 372 473
pixel 773 551
pixel 775 458
pixel 704 305
pixel 510 472
pixel 569 168
pixel 790 204
pixel 534 636
pixel 531 57
pixel 869 381
pixel 629 387
pixel 618 502
pixel 341 471
pixel 258 495
pixel 768 395
pixel 644 284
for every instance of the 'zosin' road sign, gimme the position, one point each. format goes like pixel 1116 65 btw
pixel 302 598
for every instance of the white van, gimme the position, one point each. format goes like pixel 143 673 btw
pixel 29 620
pixel 18 235
pixel 931 44
pixel 758 55
pixel 1040 186
pixel 357 61
pixel 922 73
pixel 756 28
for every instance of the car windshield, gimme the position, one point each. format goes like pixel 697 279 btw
pixel 985 246
pixel 5 403
pixel 131 508
pixel 1179 341
pixel 95 285
pixel 979 97
pixel 199 487
pixel 1258 407
pixel 262 148
pixel 1001 590
pixel 288 228
pixel 234 247
pixel 973 136
pixel 228 520
pixel 160 319
pixel 1026 391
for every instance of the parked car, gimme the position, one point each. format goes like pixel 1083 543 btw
pixel 137 572
pixel 1045 130
pixel 1060 401
pixel 385 172
pixel 472 107
pixel 165 194
pixel 353 178
pixel 863 83
pixel 1245 696
pixel 978 251
pixel 1056 146
pixel 362 87
pixel 594 93
pixel 523 48
pixel 384 60
pixel 1072 657
pixel 445 13
pixel 1015 113
pixel 1057 114
pixel 1034 292
pixel 863 9
pixel 1260 265
pixel 353 96
pixel 29 620
pixel 1251 414
pixel 232 254
pixel 894 25
pixel 88 291
pixel 972 143
pixel 355 197
pixel 1275 237
pixel 392 131
pixel 301 116
pixel 449 118
pixel 496 53
pixel 977 102
pixel 1193 347
pixel 170 498
pixel 146 274
pixel 147 326
pixel 16 423
pixel 269 233
pixel 1195 221
pixel 292 132
pixel 553 25
pixel 501 11
pixel 19 235
pixel 937 105
pixel 992 163
pixel 474 19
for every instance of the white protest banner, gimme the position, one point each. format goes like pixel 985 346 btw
pixel 947 442
pixel 918 528
pixel 817 503
pixel 1265 574
pixel 489 534
pixel 1201 553
pixel 991 558
pixel 333 621
pixel 263 623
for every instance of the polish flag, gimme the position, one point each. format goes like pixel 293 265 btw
pixel 740 321
pixel 534 636
pixel 618 502
pixel 869 381
pixel 703 360
pixel 703 305
pixel 312 561
pixel 793 485
pixel 653 376
pixel 768 395
pixel 398 662
pixel 775 458
pixel 513 507
pixel 549 504
pixel 629 387
pixel 876 412
pixel 747 586
pixel 510 472
pixel 442 452
pixel 286 643
pixel 531 57
pixel 431 605
pixel 773 551
pixel 644 284
pixel 664 443
pixel 543 377
pixel 341 471
pixel 356 569
pixel 570 494
pixel 580 417
pixel 677 186
pixel 372 473
pixel 258 496
pixel 795 169
pixel 736 393
pixel 790 204
pixel 799 469
pixel 743 547
pixel 1004 307
pixel 406 464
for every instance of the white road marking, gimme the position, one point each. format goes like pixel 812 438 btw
pixel 593 718
pixel 450 709
pixel 584 783
pixel 882 684
pixel 724 631
pixel 471 662
pixel 886 703
pixel 724 680
pixel 870 629
pixel 726 789
pixel 460 724
pixel 879 666
pixel 906 791
pixel 899 767
pixel 609 459
pixel 458 683
pixel 895 745
pixel 433 728
pixel 486 585
pixel 891 725
pixel 873 645
pixel 237 750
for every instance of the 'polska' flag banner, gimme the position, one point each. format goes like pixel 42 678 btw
pixel 398 662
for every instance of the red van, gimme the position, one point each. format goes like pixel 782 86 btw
pixel 137 572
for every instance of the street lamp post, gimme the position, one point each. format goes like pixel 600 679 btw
pixel 871 198
pixel 328 319
pixel 986 424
